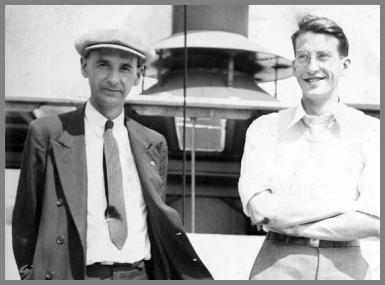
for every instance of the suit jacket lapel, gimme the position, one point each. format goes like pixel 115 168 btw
pixel 144 155
pixel 70 159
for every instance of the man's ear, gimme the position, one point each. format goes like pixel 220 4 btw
pixel 139 73
pixel 345 65
pixel 83 65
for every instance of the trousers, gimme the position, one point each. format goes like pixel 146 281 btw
pixel 279 260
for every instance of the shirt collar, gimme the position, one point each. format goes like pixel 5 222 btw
pixel 98 121
pixel 299 113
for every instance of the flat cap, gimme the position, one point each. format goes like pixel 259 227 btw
pixel 116 39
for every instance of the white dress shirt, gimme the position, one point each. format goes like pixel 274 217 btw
pixel 340 160
pixel 99 246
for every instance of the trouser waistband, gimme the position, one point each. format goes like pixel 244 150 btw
pixel 107 270
pixel 310 242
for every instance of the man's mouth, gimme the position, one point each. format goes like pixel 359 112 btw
pixel 112 90
pixel 313 79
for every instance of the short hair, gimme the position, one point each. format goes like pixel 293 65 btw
pixel 322 25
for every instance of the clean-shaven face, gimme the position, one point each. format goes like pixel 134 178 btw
pixel 320 75
pixel 111 74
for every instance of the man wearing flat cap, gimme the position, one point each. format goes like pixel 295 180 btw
pixel 90 199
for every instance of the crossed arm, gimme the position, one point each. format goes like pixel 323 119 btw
pixel 327 219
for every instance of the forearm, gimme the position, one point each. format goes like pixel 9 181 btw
pixel 281 211
pixel 348 226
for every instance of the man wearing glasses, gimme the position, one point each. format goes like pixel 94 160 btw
pixel 310 174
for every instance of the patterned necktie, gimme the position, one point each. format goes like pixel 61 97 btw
pixel 115 212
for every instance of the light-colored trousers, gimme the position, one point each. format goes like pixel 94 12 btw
pixel 278 260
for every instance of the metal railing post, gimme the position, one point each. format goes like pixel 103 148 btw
pixel 193 121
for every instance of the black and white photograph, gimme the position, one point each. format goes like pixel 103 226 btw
pixel 192 142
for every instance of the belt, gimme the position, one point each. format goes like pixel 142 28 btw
pixel 310 242
pixel 106 270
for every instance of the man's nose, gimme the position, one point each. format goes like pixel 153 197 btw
pixel 313 64
pixel 113 77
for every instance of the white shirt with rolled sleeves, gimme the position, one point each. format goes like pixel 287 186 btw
pixel 338 170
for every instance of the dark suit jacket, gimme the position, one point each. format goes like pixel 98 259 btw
pixel 50 214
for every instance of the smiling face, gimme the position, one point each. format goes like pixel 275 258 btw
pixel 320 74
pixel 111 74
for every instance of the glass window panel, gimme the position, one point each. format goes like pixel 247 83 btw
pixel 209 134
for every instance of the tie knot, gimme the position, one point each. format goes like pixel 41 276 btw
pixel 322 120
pixel 109 125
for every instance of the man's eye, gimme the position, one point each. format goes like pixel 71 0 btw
pixel 324 57
pixel 126 69
pixel 302 57
pixel 102 65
